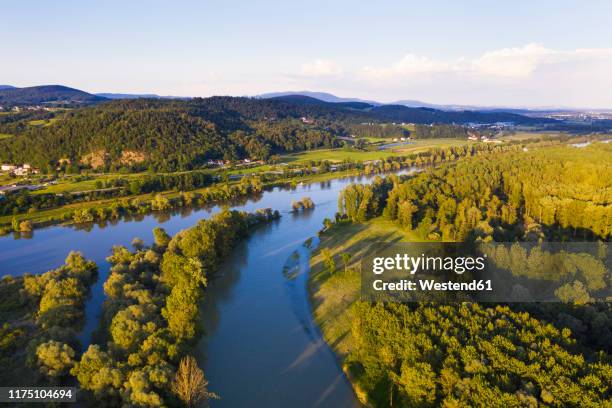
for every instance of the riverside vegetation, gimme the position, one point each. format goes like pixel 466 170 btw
pixel 429 354
pixel 40 317
pixel 133 195
pixel 149 323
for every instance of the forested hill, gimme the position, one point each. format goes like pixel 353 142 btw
pixel 181 134
pixel 45 94
pixel 167 135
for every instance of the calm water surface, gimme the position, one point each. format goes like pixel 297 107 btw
pixel 261 347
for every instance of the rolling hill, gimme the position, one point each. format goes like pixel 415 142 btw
pixel 46 95
pixel 167 135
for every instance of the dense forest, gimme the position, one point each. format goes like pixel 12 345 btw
pixel 521 354
pixel 163 135
pixel 169 135
pixel 559 193
pixel 430 355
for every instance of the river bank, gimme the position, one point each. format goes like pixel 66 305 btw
pixel 252 297
pixel 333 292
pixel 65 215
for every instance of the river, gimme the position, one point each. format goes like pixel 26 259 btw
pixel 261 346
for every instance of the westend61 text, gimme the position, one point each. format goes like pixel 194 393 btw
pixel 432 285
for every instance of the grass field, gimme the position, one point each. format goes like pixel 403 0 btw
pixel 332 294
pixel 421 145
pixel 337 155
pixel 524 135
pixel 42 122
pixel 70 184
pixel 334 155
pixel 5 136
pixel 5 179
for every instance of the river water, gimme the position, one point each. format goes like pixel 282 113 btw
pixel 261 347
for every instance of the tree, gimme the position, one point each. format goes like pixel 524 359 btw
pixel 25 226
pixel 160 237
pixel 346 257
pixel 328 259
pixel 296 205
pixel 160 203
pixel 96 372
pixel 138 244
pixel 55 359
pixel 190 385
pixel 327 223
pixel 182 311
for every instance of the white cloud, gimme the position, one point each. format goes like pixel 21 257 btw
pixel 518 63
pixel 320 67
pixel 409 65
pixel 512 62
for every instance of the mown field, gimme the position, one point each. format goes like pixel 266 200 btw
pixel 337 155
pixel 332 294
pixel 42 122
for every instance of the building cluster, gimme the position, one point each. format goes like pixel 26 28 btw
pixel 13 188
pixel 18 170
pixel 243 162
pixel 18 109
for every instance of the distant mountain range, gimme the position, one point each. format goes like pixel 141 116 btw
pixel 359 110
pixel 411 103
pixel 322 96
pixel 46 95
pixel 127 96
pixel 137 96
pixel 63 95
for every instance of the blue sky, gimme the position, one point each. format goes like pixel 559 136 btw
pixel 519 53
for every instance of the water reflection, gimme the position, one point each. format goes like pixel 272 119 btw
pixel 261 346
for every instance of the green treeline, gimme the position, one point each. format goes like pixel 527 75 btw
pixel 378 130
pixel 247 186
pixel 151 313
pixel 41 316
pixel 558 193
pixel 439 131
pixel 427 355
pixel 362 202
pixel 24 201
